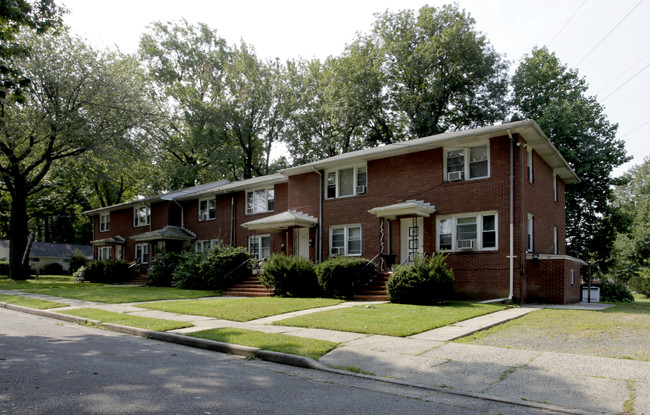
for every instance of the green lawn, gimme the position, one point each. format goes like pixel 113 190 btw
pixel 126 319
pixel 392 319
pixel 114 294
pixel 619 332
pixel 240 309
pixel 43 281
pixel 29 302
pixel 269 341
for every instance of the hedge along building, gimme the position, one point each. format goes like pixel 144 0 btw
pixel 491 197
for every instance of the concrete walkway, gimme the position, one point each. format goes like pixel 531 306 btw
pixel 555 382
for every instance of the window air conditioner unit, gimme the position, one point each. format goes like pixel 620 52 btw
pixel 336 251
pixel 361 190
pixel 454 176
pixel 466 244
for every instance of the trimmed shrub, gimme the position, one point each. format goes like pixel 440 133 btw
pixel 77 260
pixel 428 280
pixel 214 270
pixel 53 268
pixel 344 276
pixel 162 269
pixel 615 292
pixel 109 272
pixel 640 282
pixel 291 276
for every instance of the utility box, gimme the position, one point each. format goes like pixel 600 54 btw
pixel 595 294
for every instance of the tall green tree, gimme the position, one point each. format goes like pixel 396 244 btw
pixel 632 244
pixel 185 63
pixel 439 70
pixel 556 97
pixel 74 103
pixel 15 16
pixel 224 107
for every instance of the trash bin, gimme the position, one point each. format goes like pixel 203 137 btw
pixel 595 294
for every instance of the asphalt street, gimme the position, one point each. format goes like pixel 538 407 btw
pixel 50 367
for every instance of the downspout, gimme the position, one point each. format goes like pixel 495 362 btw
pixel 512 215
pixel 511 255
pixel 319 236
pixel 232 220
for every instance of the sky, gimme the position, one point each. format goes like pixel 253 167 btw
pixel 607 41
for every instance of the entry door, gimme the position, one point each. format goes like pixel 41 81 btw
pixel 301 242
pixel 411 239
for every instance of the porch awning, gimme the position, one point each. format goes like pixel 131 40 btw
pixel 282 221
pixel 115 240
pixel 173 233
pixel 407 208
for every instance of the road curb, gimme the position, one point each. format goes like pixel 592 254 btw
pixel 275 357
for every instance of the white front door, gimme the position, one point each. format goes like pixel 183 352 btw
pixel 301 242
pixel 411 239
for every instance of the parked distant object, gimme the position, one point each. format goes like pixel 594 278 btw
pixel 44 253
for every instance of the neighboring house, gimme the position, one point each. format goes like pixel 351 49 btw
pixel 43 253
pixel 491 197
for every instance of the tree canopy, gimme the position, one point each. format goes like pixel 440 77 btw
pixel 556 97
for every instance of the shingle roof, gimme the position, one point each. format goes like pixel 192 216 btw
pixel 53 250
pixel 529 130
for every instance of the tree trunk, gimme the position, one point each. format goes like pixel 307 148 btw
pixel 18 236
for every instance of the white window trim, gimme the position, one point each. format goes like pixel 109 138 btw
pixel 346 234
pixel 136 222
pixel 259 243
pixel 266 201
pixel 355 179
pixel 101 256
pixel 144 251
pixel 105 222
pixel 555 187
pixel 466 152
pixel 200 245
pixel 556 248
pixel 205 215
pixel 478 246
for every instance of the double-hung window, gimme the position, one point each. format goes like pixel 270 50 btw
pixel 141 216
pixel 142 253
pixel 467 232
pixel 207 209
pixel 259 246
pixel 350 181
pixel 103 253
pixel 104 221
pixel 345 240
pixel 259 201
pixel 205 245
pixel 466 163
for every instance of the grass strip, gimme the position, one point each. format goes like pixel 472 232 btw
pixel 392 319
pixel 129 320
pixel 275 342
pixel 240 309
pixel 618 332
pixel 43 281
pixel 113 294
pixel 30 302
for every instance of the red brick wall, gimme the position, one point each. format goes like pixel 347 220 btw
pixel 549 281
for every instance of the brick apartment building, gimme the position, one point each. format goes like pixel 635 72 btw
pixel 492 197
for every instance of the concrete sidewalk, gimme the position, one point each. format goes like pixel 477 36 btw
pixel 552 381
